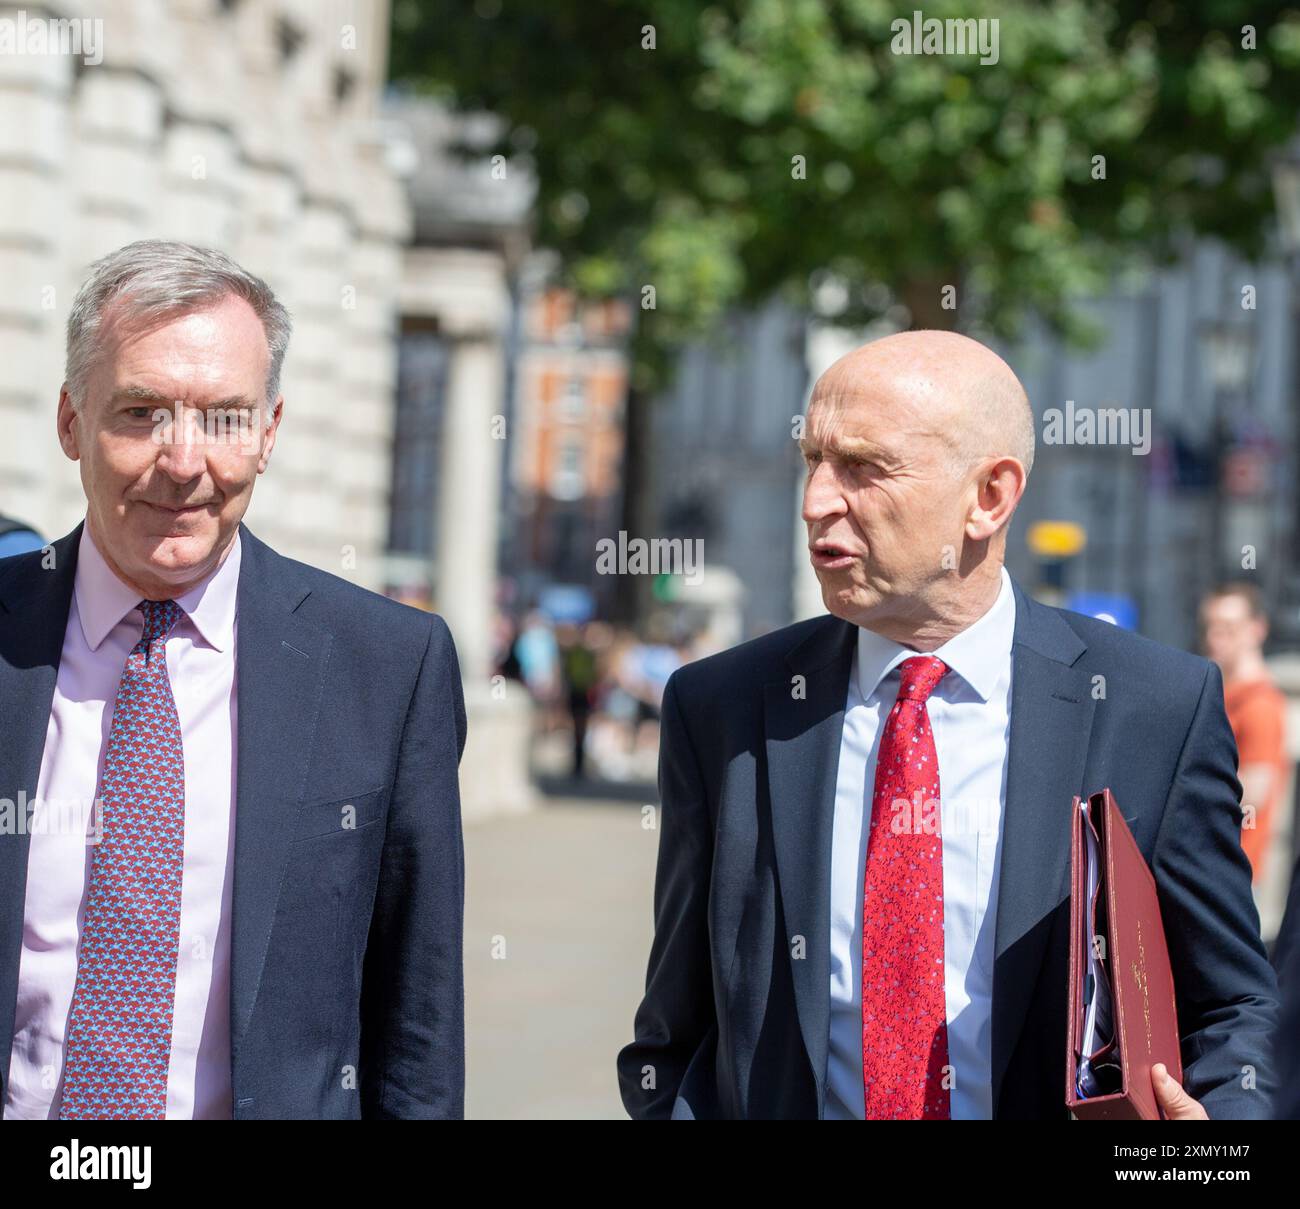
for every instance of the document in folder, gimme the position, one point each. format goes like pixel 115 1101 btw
pixel 1122 1018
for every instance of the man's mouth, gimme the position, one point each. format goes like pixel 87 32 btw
pixel 181 510
pixel 831 556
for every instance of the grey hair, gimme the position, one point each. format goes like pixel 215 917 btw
pixel 159 280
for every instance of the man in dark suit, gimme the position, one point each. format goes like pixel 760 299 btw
pixel 231 870
pixel 1286 959
pixel 862 900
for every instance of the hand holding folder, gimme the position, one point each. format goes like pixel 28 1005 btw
pixel 1122 1016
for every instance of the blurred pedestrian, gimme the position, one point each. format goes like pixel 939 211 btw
pixel 538 656
pixel 579 671
pixel 1235 627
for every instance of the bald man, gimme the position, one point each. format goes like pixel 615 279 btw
pixel 862 900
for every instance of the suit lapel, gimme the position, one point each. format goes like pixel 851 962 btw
pixel 803 721
pixel 1051 721
pixel 281 672
pixel 33 617
pixel 281 665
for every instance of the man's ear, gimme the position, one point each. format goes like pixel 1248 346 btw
pixel 272 428
pixel 999 487
pixel 67 422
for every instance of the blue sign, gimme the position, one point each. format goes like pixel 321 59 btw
pixel 1105 606
pixel 567 602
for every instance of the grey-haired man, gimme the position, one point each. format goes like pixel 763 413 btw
pixel 235 882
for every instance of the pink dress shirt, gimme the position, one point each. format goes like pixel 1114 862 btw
pixel 103 626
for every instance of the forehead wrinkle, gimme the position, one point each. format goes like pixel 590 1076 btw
pixel 888 377
pixel 954 388
pixel 904 428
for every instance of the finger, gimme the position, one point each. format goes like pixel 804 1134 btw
pixel 1177 1104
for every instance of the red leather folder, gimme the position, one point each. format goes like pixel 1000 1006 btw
pixel 1127 961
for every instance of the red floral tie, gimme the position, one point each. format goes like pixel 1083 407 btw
pixel 904 1024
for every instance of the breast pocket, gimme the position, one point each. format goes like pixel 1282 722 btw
pixel 343 816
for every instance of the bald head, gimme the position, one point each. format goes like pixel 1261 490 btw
pixel 962 392
pixel 918 447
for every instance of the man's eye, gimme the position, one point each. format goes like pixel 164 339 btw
pixel 139 413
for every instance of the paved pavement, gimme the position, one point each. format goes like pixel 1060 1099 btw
pixel 567 890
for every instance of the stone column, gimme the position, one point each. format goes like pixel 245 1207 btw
pixel 368 374
pixel 469 491
pixel 313 458
pixel 466 292
pixel 494 771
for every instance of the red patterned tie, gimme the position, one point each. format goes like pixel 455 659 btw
pixel 904 1025
pixel 120 1027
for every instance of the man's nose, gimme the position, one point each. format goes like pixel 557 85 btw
pixel 822 496
pixel 183 453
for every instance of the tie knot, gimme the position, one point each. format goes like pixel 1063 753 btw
pixel 920 676
pixel 159 617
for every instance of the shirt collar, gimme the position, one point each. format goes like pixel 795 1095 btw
pixel 978 654
pixel 103 599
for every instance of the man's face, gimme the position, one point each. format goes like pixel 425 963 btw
pixel 165 493
pixel 883 503
pixel 1231 633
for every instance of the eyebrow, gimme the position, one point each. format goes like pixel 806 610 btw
pixel 145 394
pixel 849 447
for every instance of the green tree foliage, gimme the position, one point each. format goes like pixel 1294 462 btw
pixel 726 152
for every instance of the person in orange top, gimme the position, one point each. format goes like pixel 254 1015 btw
pixel 1235 626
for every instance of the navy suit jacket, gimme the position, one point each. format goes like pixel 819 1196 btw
pixel 734 1022
pixel 1286 959
pixel 347 988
